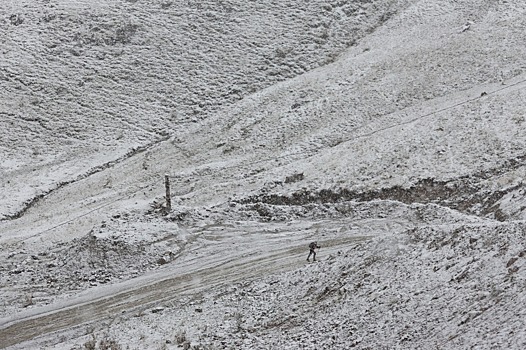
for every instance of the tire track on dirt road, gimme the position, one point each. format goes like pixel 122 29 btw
pixel 236 266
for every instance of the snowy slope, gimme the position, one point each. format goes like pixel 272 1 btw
pixel 101 78
pixel 392 132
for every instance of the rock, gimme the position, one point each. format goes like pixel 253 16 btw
pixel 163 260
pixel 157 309
pixel 511 261
pixel 16 19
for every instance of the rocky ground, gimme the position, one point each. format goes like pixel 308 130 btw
pixel 392 132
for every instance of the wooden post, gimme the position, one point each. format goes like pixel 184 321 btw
pixel 168 196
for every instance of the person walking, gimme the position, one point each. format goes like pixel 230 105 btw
pixel 313 246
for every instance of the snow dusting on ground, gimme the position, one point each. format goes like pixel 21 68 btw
pixel 393 133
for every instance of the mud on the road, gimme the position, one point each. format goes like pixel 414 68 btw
pixel 188 279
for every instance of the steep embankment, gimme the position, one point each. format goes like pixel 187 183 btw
pixel 84 82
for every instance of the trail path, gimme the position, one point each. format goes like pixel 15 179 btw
pixel 251 256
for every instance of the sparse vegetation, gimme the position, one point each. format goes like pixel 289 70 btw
pixel 388 131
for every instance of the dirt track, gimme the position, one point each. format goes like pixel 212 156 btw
pixel 189 277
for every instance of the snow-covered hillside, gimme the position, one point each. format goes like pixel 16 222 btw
pixel 86 82
pixel 391 132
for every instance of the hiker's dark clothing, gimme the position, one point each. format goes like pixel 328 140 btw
pixel 312 251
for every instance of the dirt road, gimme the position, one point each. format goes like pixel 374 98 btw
pixel 252 257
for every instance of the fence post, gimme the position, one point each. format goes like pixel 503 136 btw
pixel 168 196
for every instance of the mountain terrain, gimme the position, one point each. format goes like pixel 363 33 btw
pixel 392 132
